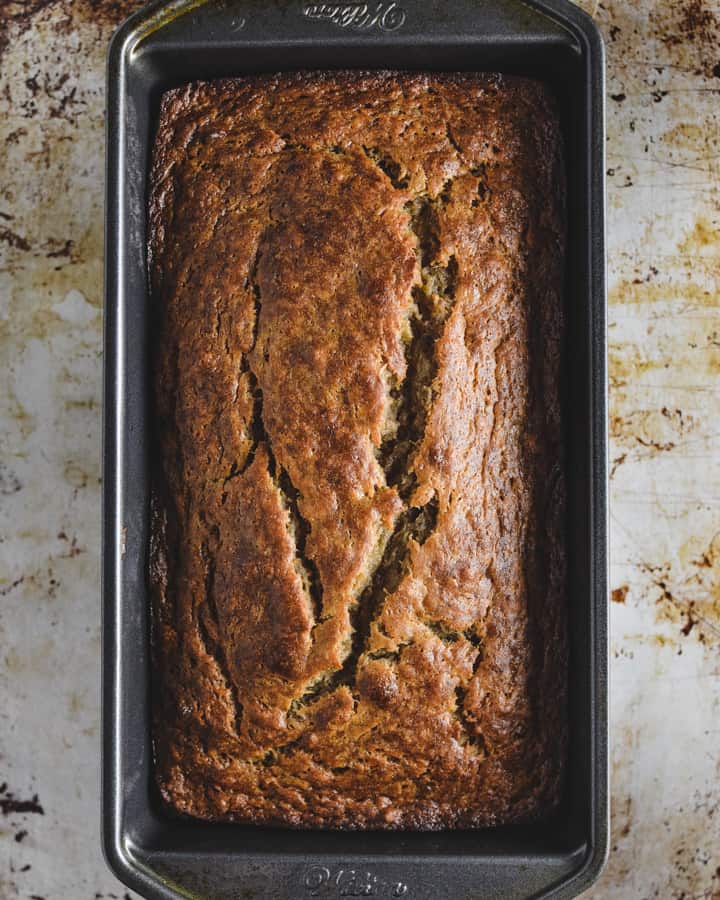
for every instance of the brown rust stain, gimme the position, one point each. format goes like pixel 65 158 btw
pixel 692 21
pixel 14 240
pixel 621 812
pixel 693 864
pixel 7 587
pixel 75 474
pixel 10 804
pixel 102 13
pixel 75 705
pixel 626 811
pixel 21 11
pixel 660 429
pixel 689 596
pixel 19 16
pixel 619 869
pixel 616 462
pixel 636 291
pixel 684 593
pixel 16 17
pixel 691 32
pixel 24 421
pixel 629 363
pixel 703 236
pixel 661 640
pixel 73 548
pixel 36 661
pixel 105 12
pixel 685 136
pixel 48 243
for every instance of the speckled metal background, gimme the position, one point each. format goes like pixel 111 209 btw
pixel 664 213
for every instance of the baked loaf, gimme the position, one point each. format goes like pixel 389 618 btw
pixel 357 553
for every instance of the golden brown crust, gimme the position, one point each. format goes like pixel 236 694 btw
pixel 357 556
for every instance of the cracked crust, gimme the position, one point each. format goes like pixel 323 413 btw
pixel 357 559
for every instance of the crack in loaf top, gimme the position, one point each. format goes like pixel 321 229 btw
pixel 356 562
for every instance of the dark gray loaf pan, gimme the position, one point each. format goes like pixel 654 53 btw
pixel 170 43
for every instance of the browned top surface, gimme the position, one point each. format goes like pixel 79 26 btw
pixel 357 562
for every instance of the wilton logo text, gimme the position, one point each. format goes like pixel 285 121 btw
pixel 358 16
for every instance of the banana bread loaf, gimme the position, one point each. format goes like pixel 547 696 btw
pixel 357 562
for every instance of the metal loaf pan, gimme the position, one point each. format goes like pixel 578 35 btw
pixel 170 43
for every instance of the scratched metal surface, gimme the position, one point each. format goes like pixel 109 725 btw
pixel 664 212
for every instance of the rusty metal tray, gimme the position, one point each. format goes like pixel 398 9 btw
pixel 169 43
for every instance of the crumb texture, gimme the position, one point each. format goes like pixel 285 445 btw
pixel 357 559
